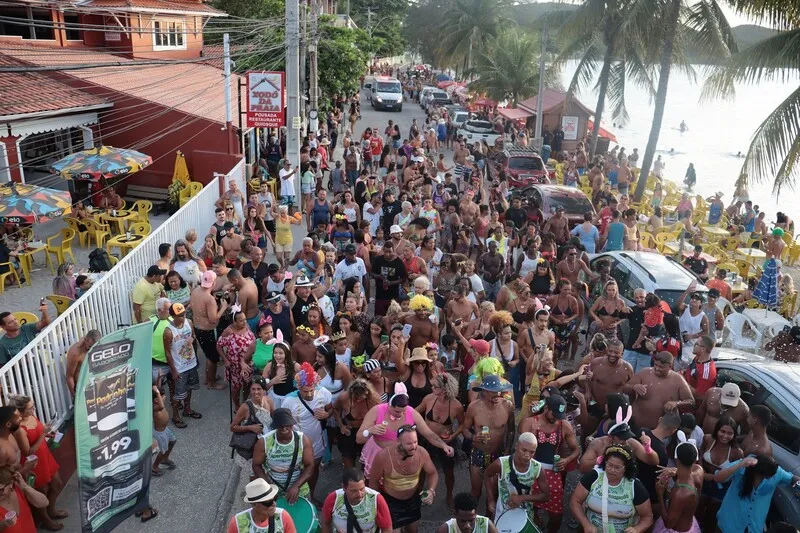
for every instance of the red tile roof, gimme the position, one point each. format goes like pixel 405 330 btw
pixel 551 100
pixel 176 6
pixel 25 93
pixel 193 88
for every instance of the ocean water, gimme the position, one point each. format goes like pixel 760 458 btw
pixel 718 129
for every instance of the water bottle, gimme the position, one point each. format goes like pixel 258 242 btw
pixel 128 235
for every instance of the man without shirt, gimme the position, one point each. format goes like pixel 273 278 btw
pixel 657 389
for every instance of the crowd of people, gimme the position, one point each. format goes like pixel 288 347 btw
pixel 426 320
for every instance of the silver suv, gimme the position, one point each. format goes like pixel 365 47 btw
pixel 774 385
pixel 650 271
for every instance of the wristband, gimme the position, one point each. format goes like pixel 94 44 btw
pixel 648 448
pixel 365 433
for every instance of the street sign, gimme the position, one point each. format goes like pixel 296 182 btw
pixel 265 97
pixel 297 123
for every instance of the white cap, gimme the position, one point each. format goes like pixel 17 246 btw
pixel 730 395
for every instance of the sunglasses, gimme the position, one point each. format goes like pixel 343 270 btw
pixel 228 209
pixel 269 503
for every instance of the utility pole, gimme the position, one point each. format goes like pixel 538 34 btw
pixel 226 68
pixel 293 120
pixel 303 58
pixel 313 71
pixel 540 96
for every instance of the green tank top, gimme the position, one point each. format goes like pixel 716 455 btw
pixel 246 524
pixel 159 354
pixel 481 525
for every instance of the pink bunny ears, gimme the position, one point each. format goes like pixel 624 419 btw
pixel 620 421
pixel 399 390
pixel 278 338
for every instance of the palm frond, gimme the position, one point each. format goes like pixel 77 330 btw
pixel 775 149
pixel 712 33
pixel 781 14
pixel 616 91
pixel 776 59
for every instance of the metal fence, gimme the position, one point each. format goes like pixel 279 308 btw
pixel 39 370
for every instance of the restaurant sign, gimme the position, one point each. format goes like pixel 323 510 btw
pixel 265 98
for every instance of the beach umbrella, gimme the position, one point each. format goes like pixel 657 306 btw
pixel 104 162
pixel 443 77
pixel 181 171
pixel 767 289
pixel 445 84
pixel 28 204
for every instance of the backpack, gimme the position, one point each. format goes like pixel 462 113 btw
pixel 99 261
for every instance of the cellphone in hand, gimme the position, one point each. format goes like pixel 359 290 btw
pixel 407 330
pixel 41 301
pixel 384 339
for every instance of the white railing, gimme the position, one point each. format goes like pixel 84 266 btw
pixel 39 370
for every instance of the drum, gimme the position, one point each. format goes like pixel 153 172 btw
pixel 515 521
pixel 303 514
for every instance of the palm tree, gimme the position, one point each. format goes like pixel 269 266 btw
pixel 468 25
pixel 675 26
pixel 774 152
pixel 609 34
pixel 508 69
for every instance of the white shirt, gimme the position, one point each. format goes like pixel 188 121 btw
pixel 287 185
pixel 356 270
pixel 477 283
pixel 373 218
pixel 305 420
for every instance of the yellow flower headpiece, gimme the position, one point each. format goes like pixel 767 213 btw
pixel 307 329
pixel 420 302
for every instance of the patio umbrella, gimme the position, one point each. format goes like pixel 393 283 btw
pixel 443 77
pixel 104 162
pixel 181 171
pixel 767 289
pixel 27 204
pixel 445 84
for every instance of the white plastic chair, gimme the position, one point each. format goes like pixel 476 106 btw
pixel 725 306
pixel 734 333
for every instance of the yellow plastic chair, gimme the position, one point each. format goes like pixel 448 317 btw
pixel 74 225
pixel 662 238
pixel 98 230
pixel 648 241
pixel 25 318
pixel 793 254
pixel 26 233
pixel 786 309
pixel 753 304
pixel 12 271
pixel 188 192
pixel 143 207
pixel 61 302
pixel 64 248
pixel 729 267
pixel 744 268
pixel 141 228
pixel 114 259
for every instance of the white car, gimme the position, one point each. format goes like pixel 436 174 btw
pixel 479 130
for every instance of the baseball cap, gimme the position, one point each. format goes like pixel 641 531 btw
pixel 395 229
pixel 177 309
pixel 713 293
pixel 207 279
pixel 730 395
pixel 480 346
pixel 155 270
pixel 350 249
pixel 558 405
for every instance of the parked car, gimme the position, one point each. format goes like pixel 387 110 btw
pixel 437 98
pixel 653 272
pixel 424 94
pixel 479 130
pixel 773 384
pixel 523 166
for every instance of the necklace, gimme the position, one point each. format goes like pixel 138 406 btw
pixel 570 270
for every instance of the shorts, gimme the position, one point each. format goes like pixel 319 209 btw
pixel 163 439
pixel 282 248
pixel 348 446
pixel 160 372
pixel 253 323
pixel 438 457
pixel 397 144
pixel 376 159
pixel 186 382
pixel 403 512
pixel 622 188
pixel 207 338
pixel 287 200
pixel 480 459
pixel 554 504
pixel 270 225
pixel 306 188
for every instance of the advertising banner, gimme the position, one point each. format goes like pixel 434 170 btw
pixel 114 428
pixel 265 99
pixel 570 127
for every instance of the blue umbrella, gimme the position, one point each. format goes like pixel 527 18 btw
pixel 443 77
pixel 767 290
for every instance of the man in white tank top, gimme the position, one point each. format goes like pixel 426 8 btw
pixel 179 345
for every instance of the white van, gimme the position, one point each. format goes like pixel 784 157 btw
pixel 369 81
pixel 387 93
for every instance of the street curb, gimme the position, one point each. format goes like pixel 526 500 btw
pixel 226 500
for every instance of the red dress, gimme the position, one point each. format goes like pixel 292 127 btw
pixel 47 466
pixel 24 517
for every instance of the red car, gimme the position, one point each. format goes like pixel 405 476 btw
pixel 523 166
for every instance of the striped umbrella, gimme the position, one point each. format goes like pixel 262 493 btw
pixel 767 289
pixel 28 204
pixel 104 162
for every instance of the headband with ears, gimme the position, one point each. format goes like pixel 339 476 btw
pixel 620 420
pixel 278 338
pixel 399 390
pixel 683 440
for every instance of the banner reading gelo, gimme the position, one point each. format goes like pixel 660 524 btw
pixel 114 428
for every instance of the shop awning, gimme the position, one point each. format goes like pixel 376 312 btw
pixel 515 113
pixel 603 132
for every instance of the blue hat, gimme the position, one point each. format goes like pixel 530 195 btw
pixel 492 384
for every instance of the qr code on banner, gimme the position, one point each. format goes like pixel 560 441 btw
pixel 99 502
